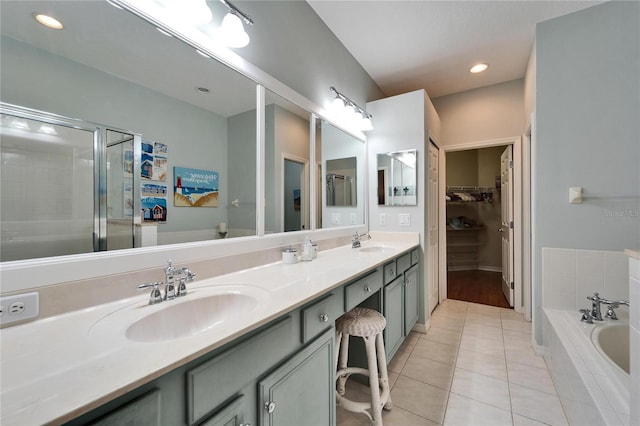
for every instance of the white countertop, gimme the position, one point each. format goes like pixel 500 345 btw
pixel 633 253
pixel 55 369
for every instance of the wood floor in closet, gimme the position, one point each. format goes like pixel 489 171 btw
pixel 476 286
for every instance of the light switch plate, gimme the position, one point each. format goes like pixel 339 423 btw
pixel 353 218
pixel 382 219
pixel 335 218
pixel 405 219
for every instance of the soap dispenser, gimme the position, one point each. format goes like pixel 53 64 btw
pixel 307 250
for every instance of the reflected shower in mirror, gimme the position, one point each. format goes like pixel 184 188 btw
pixel 287 154
pixel 121 72
pixel 341 177
pixel 397 176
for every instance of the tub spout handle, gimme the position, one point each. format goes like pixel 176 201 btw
pixel 586 316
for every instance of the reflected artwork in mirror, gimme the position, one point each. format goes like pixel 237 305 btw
pixel 121 72
pixel 397 177
pixel 340 177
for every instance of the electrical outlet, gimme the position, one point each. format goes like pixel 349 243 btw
pixel 19 307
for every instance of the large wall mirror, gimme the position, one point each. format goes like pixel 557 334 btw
pixel 195 116
pixel 287 165
pixel 341 177
pixel 397 177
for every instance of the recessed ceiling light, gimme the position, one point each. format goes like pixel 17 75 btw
pixel 48 21
pixel 478 68
pixel 203 90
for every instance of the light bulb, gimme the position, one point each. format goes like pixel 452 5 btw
pixel 366 124
pixel 232 31
pixel 191 12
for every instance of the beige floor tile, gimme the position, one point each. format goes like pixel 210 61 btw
pixel 485 389
pixel 428 371
pixel 489 365
pixel 516 325
pixel 537 405
pixel 483 331
pixel 450 323
pixel 482 319
pixel 452 304
pixel 463 411
pixel 392 378
pixel 398 361
pixel 519 420
pixel 347 418
pixel 524 356
pixel 436 351
pixel 511 314
pixel 480 344
pixel 442 335
pixel 420 398
pixel 409 342
pixel 476 308
pixel 530 377
pixel 399 417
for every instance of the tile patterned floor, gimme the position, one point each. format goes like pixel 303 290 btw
pixel 474 367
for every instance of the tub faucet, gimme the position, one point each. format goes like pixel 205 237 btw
pixel 611 305
pixel 596 300
pixel 170 287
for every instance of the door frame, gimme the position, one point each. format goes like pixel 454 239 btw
pixel 304 190
pixel 521 183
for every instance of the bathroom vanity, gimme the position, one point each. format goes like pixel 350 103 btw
pixel 267 358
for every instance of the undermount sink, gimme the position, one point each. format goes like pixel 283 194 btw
pixel 374 249
pixel 200 310
pixel 189 317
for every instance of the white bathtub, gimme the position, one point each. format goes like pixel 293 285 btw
pixel 587 363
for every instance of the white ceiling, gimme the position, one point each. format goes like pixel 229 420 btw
pixel 410 45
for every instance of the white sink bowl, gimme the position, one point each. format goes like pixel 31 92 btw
pixel 189 317
pixel 200 310
pixel 374 249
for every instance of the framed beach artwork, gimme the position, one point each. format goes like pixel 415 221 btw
pixel 153 162
pixel 194 187
pixel 153 202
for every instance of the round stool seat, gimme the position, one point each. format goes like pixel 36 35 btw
pixel 361 322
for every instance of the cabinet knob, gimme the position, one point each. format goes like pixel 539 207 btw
pixel 367 289
pixel 270 406
pixel 324 317
pixel 392 272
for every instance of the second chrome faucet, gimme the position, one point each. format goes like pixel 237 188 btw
pixel 596 311
pixel 171 288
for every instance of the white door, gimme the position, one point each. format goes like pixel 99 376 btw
pixel 506 196
pixel 432 221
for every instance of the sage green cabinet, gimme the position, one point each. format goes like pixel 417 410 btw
pixel 394 314
pixel 411 298
pixel 231 415
pixel 301 391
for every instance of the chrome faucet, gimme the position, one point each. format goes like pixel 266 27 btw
pixel 613 304
pixel 356 242
pixel 171 290
pixel 596 300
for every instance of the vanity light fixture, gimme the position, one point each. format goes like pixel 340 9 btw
pixel 350 112
pixel 231 30
pixel 47 129
pixel 48 21
pixel 20 123
pixel 477 68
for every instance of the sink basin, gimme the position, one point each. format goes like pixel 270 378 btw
pixel 374 249
pixel 189 317
pixel 202 309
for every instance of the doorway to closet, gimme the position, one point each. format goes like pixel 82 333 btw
pixel 479 225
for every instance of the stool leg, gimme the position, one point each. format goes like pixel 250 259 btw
pixel 374 384
pixel 344 356
pixel 382 365
pixel 336 350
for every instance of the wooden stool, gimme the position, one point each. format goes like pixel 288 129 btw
pixel 368 324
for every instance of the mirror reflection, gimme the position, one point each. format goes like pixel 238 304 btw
pixel 341 177
pixel 397 176
pixel 197 115
pixel 287 168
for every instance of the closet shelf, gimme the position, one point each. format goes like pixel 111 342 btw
pixel 473 228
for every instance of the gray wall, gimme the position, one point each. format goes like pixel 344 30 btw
pixel 587 109
pixel 290 42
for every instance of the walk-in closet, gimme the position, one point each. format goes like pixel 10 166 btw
pixel 474 223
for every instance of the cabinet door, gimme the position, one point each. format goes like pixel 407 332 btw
pixel 231 415
pixel 393 313
pixel 411 300
pixel 302 390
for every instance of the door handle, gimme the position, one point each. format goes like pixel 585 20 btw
pixel 500 229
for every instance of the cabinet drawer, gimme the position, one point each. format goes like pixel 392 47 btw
pixel 320 316
pixel 390 272
pixel 213 382
pixel 415 256
pixel 403 263
pixel 362 289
